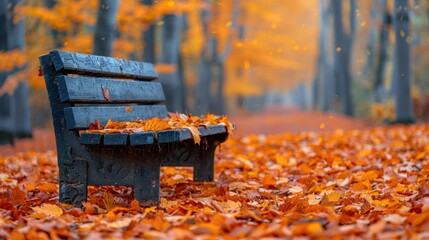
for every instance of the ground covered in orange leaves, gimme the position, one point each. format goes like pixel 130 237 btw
pixel 366 183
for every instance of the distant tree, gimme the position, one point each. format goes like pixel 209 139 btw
pixel 105 27
pixel 170 54
pixel 211 69
pixel 15 120
pixel 149 38
pixel 402 64
pixel 383 42
pixel 343 47
pixel 57 35
pixel 324 82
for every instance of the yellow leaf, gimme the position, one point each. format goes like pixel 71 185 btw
pixel 195 134
pixel 122 223
pixel 108 200
pixel 149 210
pixel 48 210
pixel 156 124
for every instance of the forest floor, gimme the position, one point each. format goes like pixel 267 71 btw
pixel 321 183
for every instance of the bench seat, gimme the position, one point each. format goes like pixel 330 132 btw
pixel 145 138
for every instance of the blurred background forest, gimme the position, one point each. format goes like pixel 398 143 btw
pixel 363 58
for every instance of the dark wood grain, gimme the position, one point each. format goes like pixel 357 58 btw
pixel 116 139
pixel 143 138
pixel 82 117
pixel 91 138
pixel 85 64
pixel 79 89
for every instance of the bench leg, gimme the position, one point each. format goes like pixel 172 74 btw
pixel 146 182
pixel 204 163
pixel 73 182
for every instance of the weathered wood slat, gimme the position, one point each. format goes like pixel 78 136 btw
pixel 184 134
pixel 82 117
pixel 91 138
pixel 78 63
pixel 143 138
pixel 116 139
pixel 79 89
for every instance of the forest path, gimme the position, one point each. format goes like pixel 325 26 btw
pixel 275 120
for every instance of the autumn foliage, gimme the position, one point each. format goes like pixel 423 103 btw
pixel 370 183
pixel 175 121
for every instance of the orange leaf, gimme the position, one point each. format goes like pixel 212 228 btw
pixel 156 124
pixel 195 134
pixel 48 210
pixel 48 187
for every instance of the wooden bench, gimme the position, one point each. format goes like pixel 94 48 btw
pixel 77 86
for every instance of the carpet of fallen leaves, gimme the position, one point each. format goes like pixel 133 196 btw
pixel 367 183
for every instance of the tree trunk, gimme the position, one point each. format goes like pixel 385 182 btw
pixel 170 51
pixel 342 55
pixel 214 101
pixel 202 90
pixel 325 94
pixel 383 43
pixel 105 27
pixel 149 39
pixel 15 117
pixel 402 68
pixel 57 36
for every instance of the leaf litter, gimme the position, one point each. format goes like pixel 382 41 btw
pixel 364 183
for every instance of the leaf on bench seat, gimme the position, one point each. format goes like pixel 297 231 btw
pixel 182 127
pixel 195 134
pixel 156 124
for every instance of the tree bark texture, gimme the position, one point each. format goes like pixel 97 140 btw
pixel 170 52
pixel 105 27
pixel 149 39
pixel 343 44
pixel 383 42
pixel 324 84
pixel 402 69
pixel 15 117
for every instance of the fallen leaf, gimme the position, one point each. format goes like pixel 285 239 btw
pixel 48 210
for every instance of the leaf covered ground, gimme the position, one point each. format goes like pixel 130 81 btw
pixel 366 183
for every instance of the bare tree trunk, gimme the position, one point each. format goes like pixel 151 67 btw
pixel 368 72
pixel 402 69
pixel 342 55
pixel 105 27
pixel 171 35
pixel 15 117
pixel 202 90
pixel 382 54
pixel 58 36
pixel 149 39
pixel 214 62
pixel 325 93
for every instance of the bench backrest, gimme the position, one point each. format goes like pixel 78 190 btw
pixel 91 87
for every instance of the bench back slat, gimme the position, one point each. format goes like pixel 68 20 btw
pixel 81 117
pixel 80 89
pixel 85 64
